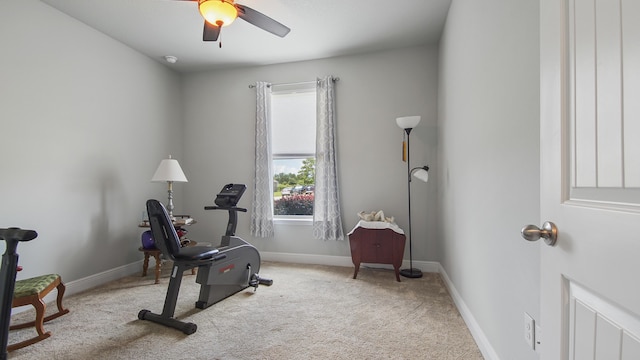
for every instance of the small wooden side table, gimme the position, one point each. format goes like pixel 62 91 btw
pixel 381 246
pixel 156 255
pixel 180 220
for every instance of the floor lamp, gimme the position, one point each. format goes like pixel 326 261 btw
pixel 407 123
pixel 170 171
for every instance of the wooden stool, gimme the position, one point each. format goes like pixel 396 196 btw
pixel 32 291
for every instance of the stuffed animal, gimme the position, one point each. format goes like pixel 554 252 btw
pixel 375 216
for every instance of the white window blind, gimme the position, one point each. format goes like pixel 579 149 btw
pixel 293 128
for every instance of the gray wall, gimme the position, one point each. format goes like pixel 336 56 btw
pixel 489 160
pixel 85 122
pixel 373 90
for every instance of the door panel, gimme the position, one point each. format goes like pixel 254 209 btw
pixel 616 332
pixel 608 90
pixel 631 85
pixel 590 87
pixel 601 104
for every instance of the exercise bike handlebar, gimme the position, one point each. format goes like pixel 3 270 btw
pixel 233 208
pixel 233 217
pixel 17 234
pixel 13 235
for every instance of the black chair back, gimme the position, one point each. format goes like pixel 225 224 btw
pixel 164 234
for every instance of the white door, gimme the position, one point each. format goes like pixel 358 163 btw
pixel 590 178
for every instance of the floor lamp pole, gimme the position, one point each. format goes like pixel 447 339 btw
pixel 410 272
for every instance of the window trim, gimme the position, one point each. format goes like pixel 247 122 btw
pixel 300 220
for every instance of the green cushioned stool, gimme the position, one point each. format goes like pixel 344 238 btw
pixel 31 292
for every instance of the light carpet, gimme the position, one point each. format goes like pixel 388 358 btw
pixel 310 312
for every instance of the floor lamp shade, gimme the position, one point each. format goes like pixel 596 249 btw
pixel 169 170
pixel 421 173
pixel 408 122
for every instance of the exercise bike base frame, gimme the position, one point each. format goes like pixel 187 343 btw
pixel 235 273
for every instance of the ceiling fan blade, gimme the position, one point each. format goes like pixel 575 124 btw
pixel 261 20
pixel 211 32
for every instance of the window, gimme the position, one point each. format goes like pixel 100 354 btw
pixel 293 129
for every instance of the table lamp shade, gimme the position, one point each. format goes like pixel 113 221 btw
pixel 169 170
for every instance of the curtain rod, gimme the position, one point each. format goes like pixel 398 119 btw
pixel 334 79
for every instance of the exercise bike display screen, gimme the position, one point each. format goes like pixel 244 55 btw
pixel 230 195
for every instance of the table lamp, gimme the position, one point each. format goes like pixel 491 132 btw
pixel 170 171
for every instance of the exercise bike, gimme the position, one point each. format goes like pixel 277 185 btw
pixel 8 279
pixel 224 270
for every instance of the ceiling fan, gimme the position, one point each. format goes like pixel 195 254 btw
pixel 219 13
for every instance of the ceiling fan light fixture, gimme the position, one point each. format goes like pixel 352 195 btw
pixel 218 12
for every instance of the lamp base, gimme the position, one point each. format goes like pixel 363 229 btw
pixel 412 273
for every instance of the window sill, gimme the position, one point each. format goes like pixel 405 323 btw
pixel 293 220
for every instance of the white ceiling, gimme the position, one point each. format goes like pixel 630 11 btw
pixel 319 29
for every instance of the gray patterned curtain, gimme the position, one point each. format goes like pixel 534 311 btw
pixel 327 222
pixel 262 206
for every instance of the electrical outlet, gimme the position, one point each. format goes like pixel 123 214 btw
pixel 529 330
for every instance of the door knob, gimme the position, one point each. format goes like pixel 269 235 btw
pixel 549 233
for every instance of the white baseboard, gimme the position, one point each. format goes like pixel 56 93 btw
pixel 91 281
pixel 306 259
pixel 478 335
pixel 345 261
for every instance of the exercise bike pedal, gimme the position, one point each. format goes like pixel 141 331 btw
pixel 257 280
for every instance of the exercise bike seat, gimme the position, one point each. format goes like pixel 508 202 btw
pixel 167 240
